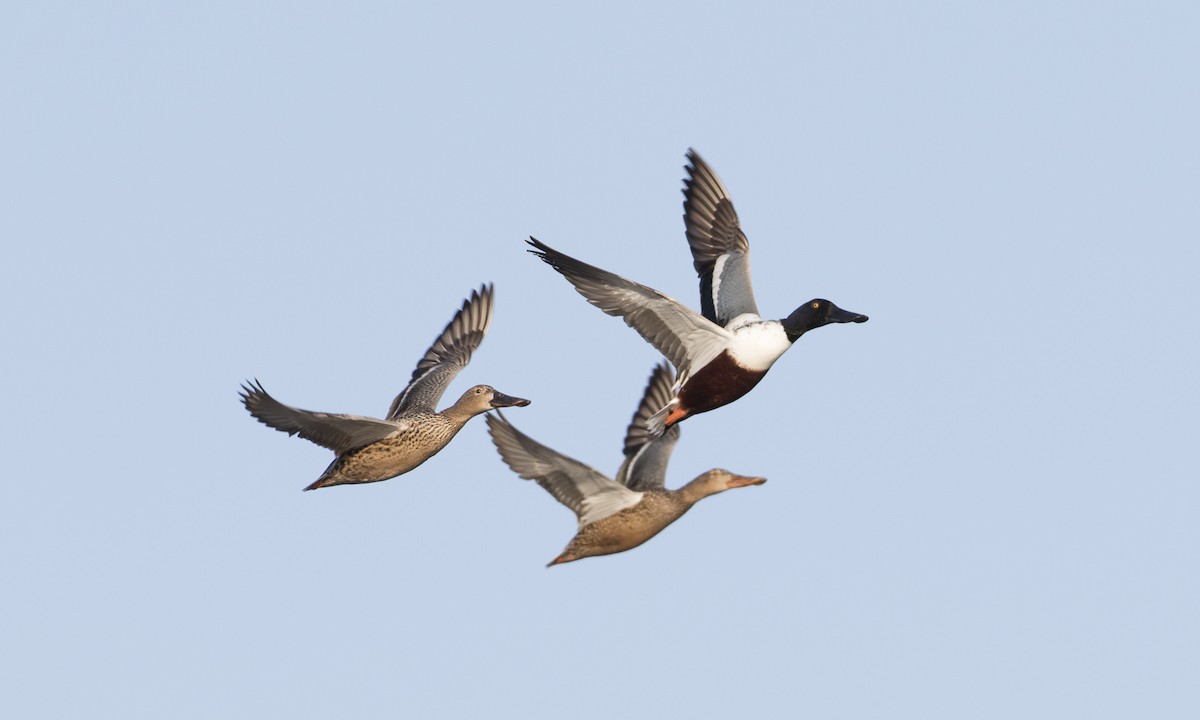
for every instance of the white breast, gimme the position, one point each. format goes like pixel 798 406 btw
pixel 757 345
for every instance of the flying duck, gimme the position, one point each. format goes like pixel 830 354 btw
pixel 370 450
pixel 614 515
pixel 725 350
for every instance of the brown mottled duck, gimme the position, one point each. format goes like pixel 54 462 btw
pixel 615 515
pixel 368 449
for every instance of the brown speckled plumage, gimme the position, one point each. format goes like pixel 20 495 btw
pixel 635 525
pixel 370 449
pixel 422 436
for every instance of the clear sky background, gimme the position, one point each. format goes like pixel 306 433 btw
pixel 981 504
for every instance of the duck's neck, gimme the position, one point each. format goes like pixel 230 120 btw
pixel 695 491
pixel 802 320
pixel 459 413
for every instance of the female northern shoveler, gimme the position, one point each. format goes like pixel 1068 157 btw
pixel 615 516
pixel 370 450
pixel 722 353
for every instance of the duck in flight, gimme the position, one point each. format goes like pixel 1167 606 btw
pixel 614 515
pixel 369 449
pixel 722 352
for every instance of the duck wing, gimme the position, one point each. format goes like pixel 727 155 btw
pixel 720 251
pixel 646 456
pixel 339 433
pixel 449 354
pixel 675 330
pixel 581 488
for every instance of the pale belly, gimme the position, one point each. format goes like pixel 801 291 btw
pixel 390 457
pixel 625 530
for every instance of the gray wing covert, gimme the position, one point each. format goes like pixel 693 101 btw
pixel 449 354
pixel 588 493
pixel 682 335
pixel 646 456
pixel 339 433
pixel 720 250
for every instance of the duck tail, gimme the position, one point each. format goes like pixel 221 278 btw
pixel 656 423
pixel 329 477
pixel 565 557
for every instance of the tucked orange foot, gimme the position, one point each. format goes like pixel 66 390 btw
pixel 675 416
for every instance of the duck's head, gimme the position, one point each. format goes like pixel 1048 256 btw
pixel 482 398
pixel 719 480
pixel 814 314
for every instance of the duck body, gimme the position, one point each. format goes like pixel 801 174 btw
pixel 718 383
pixel 626 529
pixel 614 515
pixel 417 438
pixel 722 352
pixel 370 449
pixel 647 517
pixel 754 347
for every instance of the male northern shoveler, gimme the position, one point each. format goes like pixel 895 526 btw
pixel 370 450
pixel 615 516
pixel 722 353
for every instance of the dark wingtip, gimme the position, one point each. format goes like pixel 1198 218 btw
pixel 540 250
pixel 250 390
pixel 485 290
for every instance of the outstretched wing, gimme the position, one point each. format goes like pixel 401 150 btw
pixel 646 456
pixel 339 433
pixel 720 251
pixel 687 339
pixel 449 353
pixel 580 487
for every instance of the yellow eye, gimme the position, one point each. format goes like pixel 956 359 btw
pixel 816 305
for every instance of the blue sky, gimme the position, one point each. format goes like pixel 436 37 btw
pixel 982 503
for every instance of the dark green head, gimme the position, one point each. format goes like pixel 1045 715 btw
pixel 814 314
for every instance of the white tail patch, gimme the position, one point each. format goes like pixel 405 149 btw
pixel 656 423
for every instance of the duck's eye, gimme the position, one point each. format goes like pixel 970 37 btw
pixel 478 391
pixel 816 305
